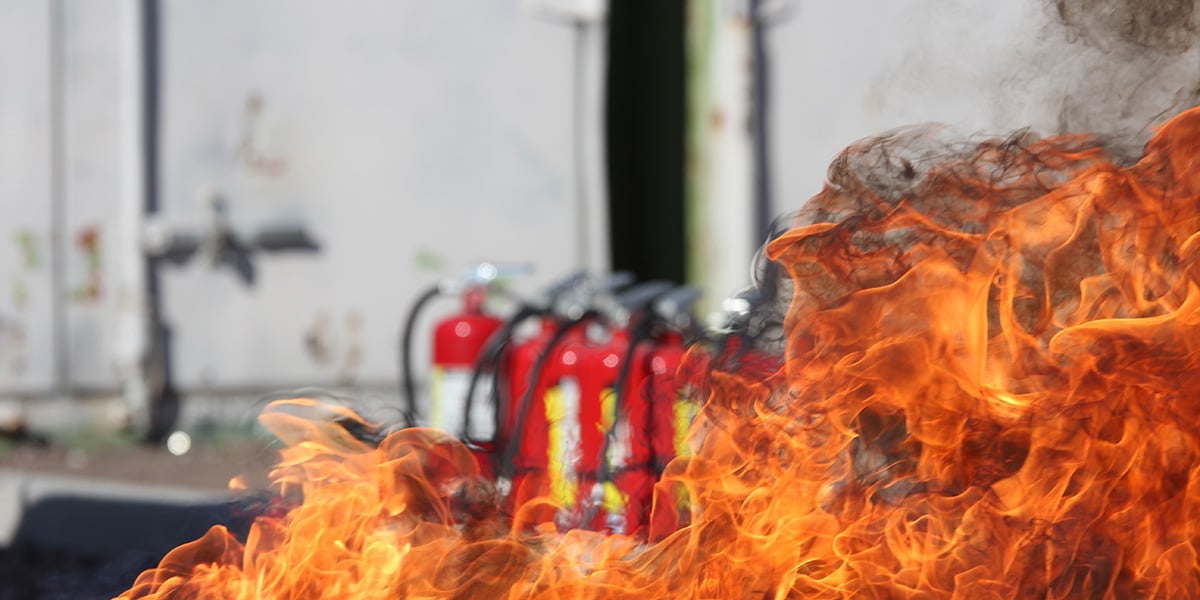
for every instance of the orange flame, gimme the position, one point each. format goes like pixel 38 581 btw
pixel 990 389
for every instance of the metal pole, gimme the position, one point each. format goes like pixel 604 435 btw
pixel 163 398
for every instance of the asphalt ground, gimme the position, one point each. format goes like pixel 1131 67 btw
pixel 82 514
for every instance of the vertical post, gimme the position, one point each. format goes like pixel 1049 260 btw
pixel 722 234
pixel 163 399
pixel 760 116
pixel 130 337
pixel 58 157
pixel 588 144
pixel 644 113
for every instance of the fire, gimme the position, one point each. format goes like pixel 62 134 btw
pixel 990 388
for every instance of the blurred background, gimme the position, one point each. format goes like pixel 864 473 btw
pixel 207 201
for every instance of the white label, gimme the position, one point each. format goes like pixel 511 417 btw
pixel 448 399
pixel 569 388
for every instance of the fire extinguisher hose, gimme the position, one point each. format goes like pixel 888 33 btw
pixel 507 465
pixel 666 308
pixel 490 358
pixel 492 352
pixel 408 387
pixel 641 333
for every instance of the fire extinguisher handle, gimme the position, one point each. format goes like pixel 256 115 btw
pixel 486 273
pixel 636 299
pixel 589 294
pixel 642 294
pixel 555 290
pixel 615 281
pixel 675 306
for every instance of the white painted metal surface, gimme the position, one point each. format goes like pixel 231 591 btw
pixel 414 138
pixel 71 196
pixel 102 192
pixel 401 133
pixel 411 138
pixel 27 334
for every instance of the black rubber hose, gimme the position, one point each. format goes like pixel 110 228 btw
pixel 490 357
pixel 643 296
pixel 506 467
pixel 408 387
pixel 641 333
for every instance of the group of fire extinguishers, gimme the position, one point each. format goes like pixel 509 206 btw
pixel 573 397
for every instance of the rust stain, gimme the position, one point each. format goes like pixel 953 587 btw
pixel 717 119
pixel 340 347
pixel 249 150
pixel 317 339
pixel 87 241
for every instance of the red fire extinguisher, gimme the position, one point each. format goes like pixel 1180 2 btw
pixel 679 389
pixel 673 407
pixel 525 458
pixel 674 404
pixel 619 474
pixel 457 344
pixel 468 366
pixel 605 478
pixel 579 409
pixel 534 367
pixel 458 341
pixel 683 391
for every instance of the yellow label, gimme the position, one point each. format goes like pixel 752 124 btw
pixel 608 409
pixel 562 444
pixel 685 412
pixel 614 500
